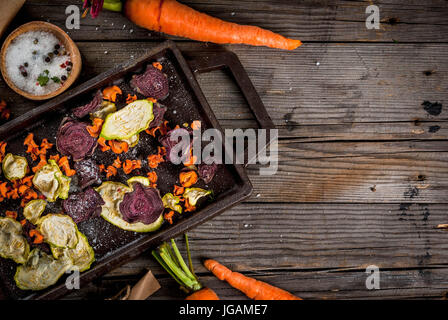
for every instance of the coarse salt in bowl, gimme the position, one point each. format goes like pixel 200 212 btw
pixel 39 60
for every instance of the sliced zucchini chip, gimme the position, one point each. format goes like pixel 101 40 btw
pixel 82 255
pixel 106 108
pixel 12 244
pixel 59 230
pixel 34 209
pixel 171 201
pixel 112 194
pixel 194 194
pixel 129 121
pixel 14 167
pixel 41 270
pixel 51 182
pixel 132 141
pixel 142 180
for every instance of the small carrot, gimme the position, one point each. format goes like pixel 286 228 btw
pixel 117 163
pixel 45 145
pixel 152 176
pixel 118 147
pixel 154 160
pixel 188 178
pixel 4 189
pixel 157 65
pixel 111 171
pixel 131 165
pixel 11 214
pixel 174 18
pixel 203 294
pixel 196 125
pixel 178 190
pixel 103 145
pixel 42 162
pixel 38 237
pixel 27 181
pixel 254 289
pixel 169 216
pixel 130 98
pixel 65 165
pixel 32 147
pixel 110 93
pixel 95 129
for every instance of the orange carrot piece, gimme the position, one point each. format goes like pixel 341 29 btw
pixel 203 294
pixel 38 237
pixel 152 176
pixel 11 214
pixel 118 147
pixel 56 157
pixel 45 145
pixel 157 65
pixel 131 165
pixel 102 167
pixel 117 163
pixel 254 289
pixel 174 18
pixel 13 194
pixel 4 189
pixel 23 222
pixel 65 165
pixel 2 150
pixel 27 181
pixel 178 190
pixel 95 129
pixel 188 178
pixel 191 160
pixel 196 125
pixel 103 145
pixel 188 206
pixel 130 98
pixel 154 160
pixel 152 100
pixel 23 189
pixel 42 162
pixel 169 216
pixel 110 93
pixel 111 171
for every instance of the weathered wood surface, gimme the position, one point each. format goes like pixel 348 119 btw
pixel 363 173
pixel 310 20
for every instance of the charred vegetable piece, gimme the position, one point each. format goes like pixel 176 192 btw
pixel 14 167
pixel 34 209
pixel 159 112
pixel 152 83
pixel 41 270
pixel 143 205
pixel 50 181
pixel 59 230
pixel 194 194
pixel 90 107
pixel 74 140
pixel 83 205
pixel 82 256
pixel 207 171
pixel 88 173
pixel 171 201
pixel 113 194
pixel 12 244
pixel 106 108
pixel 169 142
pixel 129 121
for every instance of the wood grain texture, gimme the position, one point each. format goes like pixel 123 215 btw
pixel 310 20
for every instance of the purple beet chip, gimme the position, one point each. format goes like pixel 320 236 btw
pixel 159 112
pixel 83 205
pixel 88 173
pixel 141 205
pixel 90 107
pixel 152 83
pixel 207 171
pixel 74 140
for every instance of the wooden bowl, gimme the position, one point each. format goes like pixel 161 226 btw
pixel 69 45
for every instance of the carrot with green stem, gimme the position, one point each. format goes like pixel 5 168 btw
pixel 171 260
pixel 174 18
pixel 251 287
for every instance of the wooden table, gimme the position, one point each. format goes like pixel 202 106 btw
pixel 363 173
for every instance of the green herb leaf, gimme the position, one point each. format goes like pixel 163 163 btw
pixel 56 79
pixel 46 72
pixel 43 80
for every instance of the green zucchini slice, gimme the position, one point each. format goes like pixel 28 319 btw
pixel 34 209
pixel 129 121
pixel 51 182
pixel 107 107
pixel 171 201
pixel 12 243
pixel 194 194
pixel 59 230
pixel 14 167
pixel 41 270
pixel 82 255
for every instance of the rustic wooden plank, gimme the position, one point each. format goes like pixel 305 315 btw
pixel 276 237
pixel 394 284
pixel 358 92
pixel 311 20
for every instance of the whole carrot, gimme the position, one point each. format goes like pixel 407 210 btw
pixel 174 18
pixel 254 289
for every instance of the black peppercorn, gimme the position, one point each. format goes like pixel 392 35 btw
pixel 69 69
pixel 56 52
pixel 63 78
pixel 47 59
pixel 57 46
pixel 36 41
pixel 26 64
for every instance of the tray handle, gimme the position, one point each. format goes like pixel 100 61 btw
pixel 229 60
